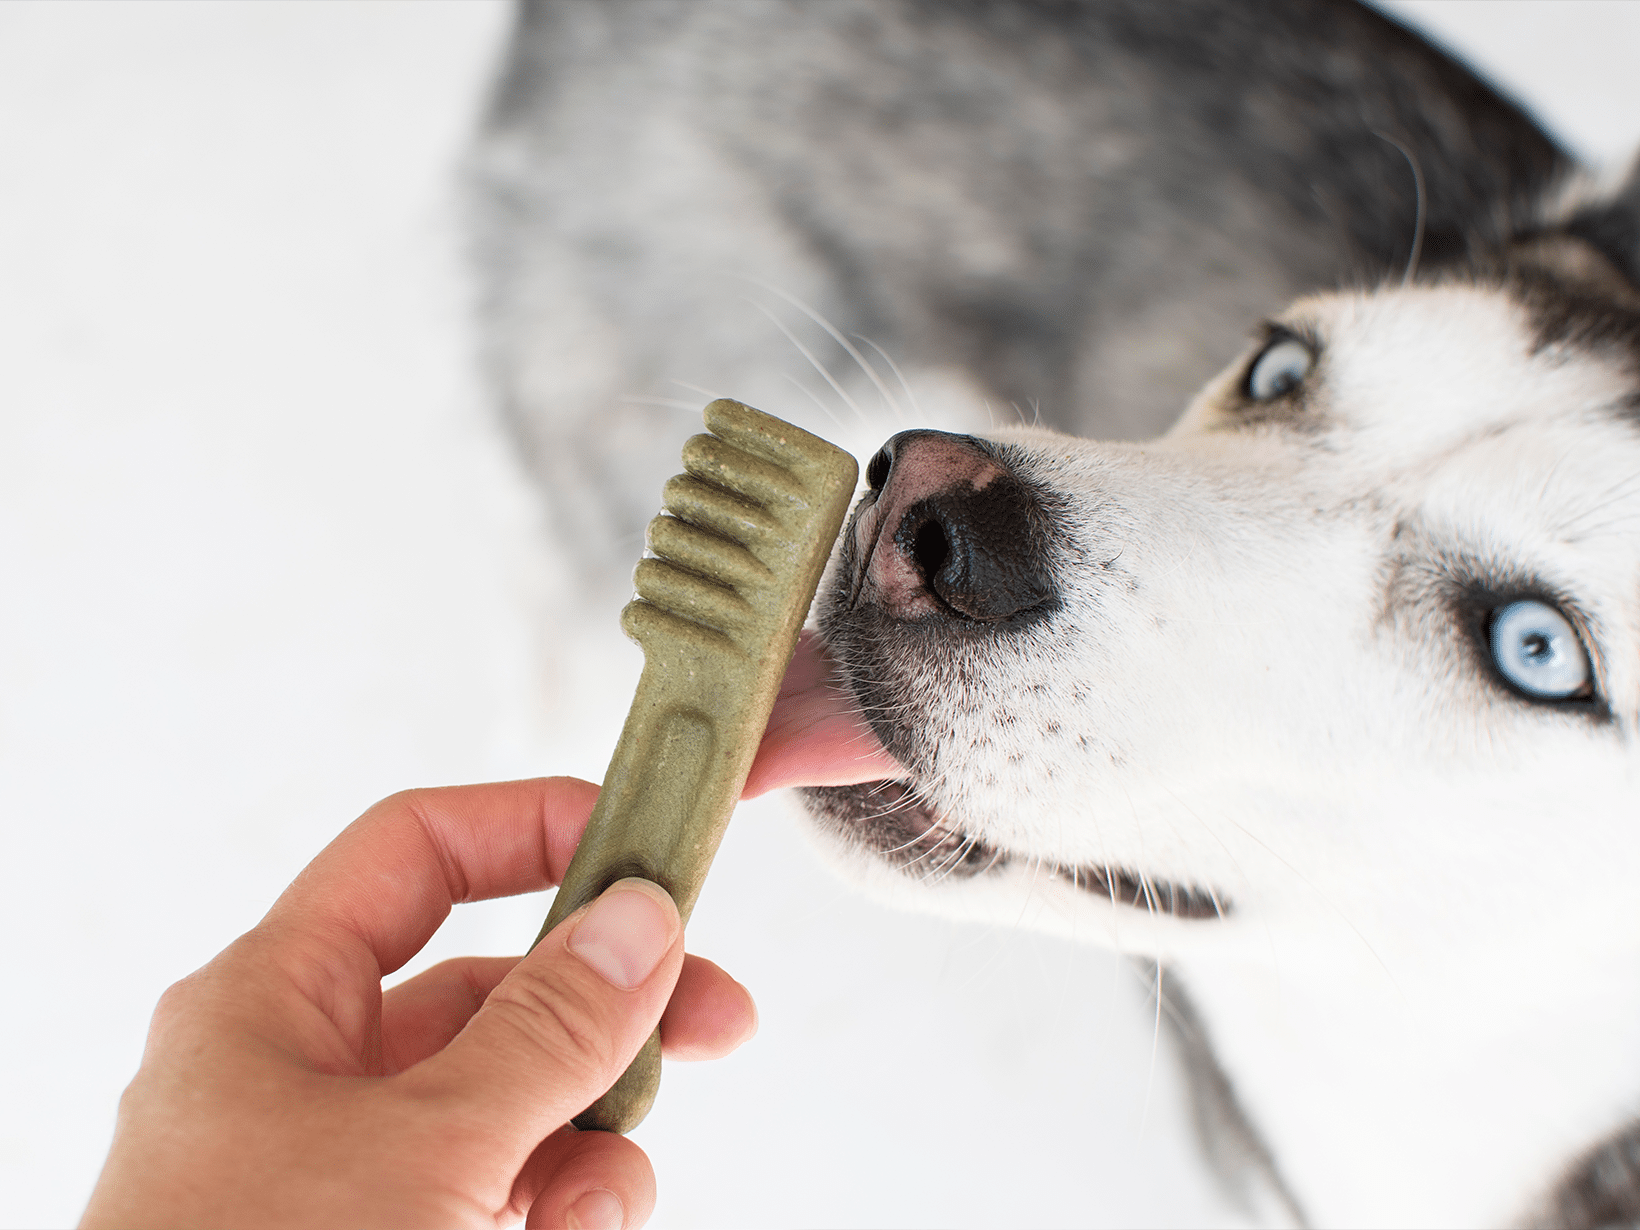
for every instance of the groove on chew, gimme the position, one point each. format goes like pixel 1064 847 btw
pixel 700 550
pixel 653 626
pixel 734 469
pixel 759 434
pixel 692 596
pixel 666 784
pixel 720 511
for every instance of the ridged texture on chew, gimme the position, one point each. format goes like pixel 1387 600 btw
pixel 739 550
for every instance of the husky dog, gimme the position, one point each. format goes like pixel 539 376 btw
pixel 1326 699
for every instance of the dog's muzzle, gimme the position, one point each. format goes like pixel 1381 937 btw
pixel 952 546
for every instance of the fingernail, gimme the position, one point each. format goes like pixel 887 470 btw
pixel 626 932
pixel 599 1209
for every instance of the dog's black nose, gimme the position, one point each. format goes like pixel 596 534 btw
pixel 953 531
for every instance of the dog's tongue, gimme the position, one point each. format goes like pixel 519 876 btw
pixel 816 737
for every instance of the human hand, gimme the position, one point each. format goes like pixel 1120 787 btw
pixel 281 1086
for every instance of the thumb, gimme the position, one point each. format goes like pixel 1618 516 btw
pixel 563 1025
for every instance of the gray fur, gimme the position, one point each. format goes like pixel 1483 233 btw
pixel 1231 1144
pixel 1081 207
pixel 1601 1190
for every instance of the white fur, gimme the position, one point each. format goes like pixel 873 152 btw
pixel 1427 990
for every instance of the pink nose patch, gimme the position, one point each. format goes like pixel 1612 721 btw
pixel 924 465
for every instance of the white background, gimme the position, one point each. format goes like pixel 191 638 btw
pixel 265 557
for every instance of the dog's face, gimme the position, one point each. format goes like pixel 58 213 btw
pixel 1354 647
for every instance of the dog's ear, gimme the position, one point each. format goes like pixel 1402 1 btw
pixel 1612 228
pixel 1595 250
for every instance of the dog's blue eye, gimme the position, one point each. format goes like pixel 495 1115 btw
pixel 1280 369
pixel 1538 651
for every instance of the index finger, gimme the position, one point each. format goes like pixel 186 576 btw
pixel 390 878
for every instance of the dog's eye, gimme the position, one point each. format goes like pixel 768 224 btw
pixel 1536 648
pixel 1280 369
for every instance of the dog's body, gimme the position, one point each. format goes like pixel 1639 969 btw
pixel 1254 699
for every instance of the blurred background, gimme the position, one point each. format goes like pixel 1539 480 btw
pixel 265 557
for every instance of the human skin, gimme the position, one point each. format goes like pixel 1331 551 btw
pixel 281 1086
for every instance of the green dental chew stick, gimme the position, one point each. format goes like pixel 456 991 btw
pixel 740 546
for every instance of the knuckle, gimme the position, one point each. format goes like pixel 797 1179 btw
pixel 464 975
pixel 175 1004
pixel 572 1026
pixel 400 800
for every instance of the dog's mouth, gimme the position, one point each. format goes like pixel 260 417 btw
pixel 887 818
pixel 817 740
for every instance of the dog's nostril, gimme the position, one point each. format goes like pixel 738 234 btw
pixel 976 552
pixel 878 467
pixel 954 531
pixel 930 548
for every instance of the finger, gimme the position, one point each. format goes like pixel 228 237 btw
pixel 422 1014
pixel 709 1015
pixel 389 879
pixel 557 1031
pixel 602 1179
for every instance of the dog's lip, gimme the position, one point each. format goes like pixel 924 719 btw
pixel 816 735
pixel 887 818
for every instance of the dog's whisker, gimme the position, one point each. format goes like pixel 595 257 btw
pixel 836 335
pixel 1418 206
pixel 666 403
pixel 1324 898
pixel 814 362
pixel 812 396
pixel 1155 1041
pixel 933 827
pixel 911 397
pixel 1602 529
pixel 940 872
pixel 708 394
pixel 1571 527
